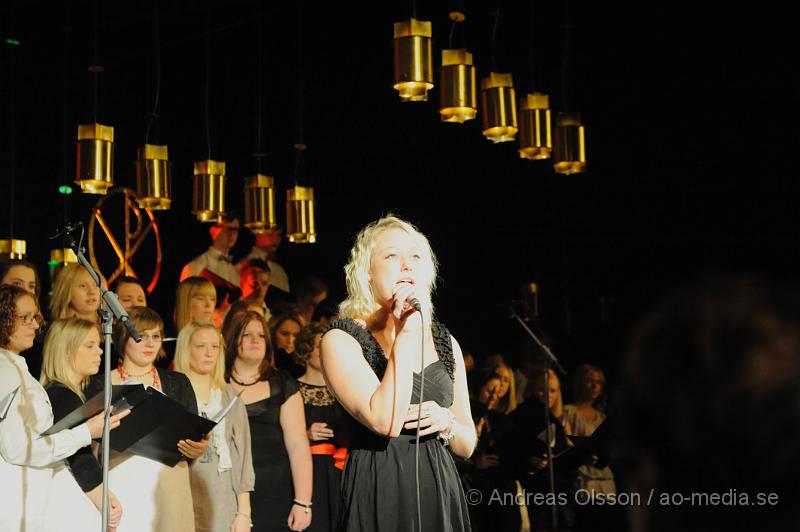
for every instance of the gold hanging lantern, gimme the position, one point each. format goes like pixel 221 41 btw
pixel 535 140
pixel 413 59
pixel 208 201
pixel 457 81
pixel 62 256
pixel 59 258
pixel 95 160
pixel 300 227
pixel 570 144
pixel 499 107
pixel 153 178
pixel 259 203
pixel 13 248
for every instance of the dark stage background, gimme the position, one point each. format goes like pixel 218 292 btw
pixel 690 114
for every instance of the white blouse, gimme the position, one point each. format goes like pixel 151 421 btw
pixel 27 457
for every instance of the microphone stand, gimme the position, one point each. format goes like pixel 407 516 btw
pixel 112 309
pixel 550 362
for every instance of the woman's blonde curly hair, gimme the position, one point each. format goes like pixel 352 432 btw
pixel 360 302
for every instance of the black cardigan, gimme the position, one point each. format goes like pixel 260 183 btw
pixel 83 464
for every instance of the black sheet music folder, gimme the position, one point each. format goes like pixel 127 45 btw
pixel 152 429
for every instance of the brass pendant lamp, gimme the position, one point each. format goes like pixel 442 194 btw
pixel 259 203
pixel 535 131
pixel 208 198
pixel 535 128
pixel 499 105
pixel 300 220
pixel 62 256
pixel 95 146
pixel 570 144
pixel 498 99
pixel 459 101
pixel 95 158
pixel 457 81
pixel 300 224
pixel 13 248
pixel 259 189
pixel 413 59
pixel 153 178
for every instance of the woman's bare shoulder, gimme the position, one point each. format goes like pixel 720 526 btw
pixel 337 339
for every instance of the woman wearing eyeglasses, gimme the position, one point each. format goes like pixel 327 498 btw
pixel 27 457
pixel 24 274
pixel 156 497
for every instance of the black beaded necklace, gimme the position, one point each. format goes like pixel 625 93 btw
pixel 240 383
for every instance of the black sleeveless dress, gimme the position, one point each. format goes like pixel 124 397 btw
pixel 320 406
pixel 378 483
pixel 271 500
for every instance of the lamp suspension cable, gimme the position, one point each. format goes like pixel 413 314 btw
pixel 64 114
pixel 532 43
pixel 208 78
pixel 565 58
pixel 299 146
pixel 12 138
pixel 452 33
pixel 493 44
pixel 96 69
pixel 154 113
pixel 259 153
pixel 456 16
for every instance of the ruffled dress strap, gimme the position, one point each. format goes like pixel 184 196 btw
pixel 444 348
pixel 369 345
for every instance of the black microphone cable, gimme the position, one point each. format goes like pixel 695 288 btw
pixel 419 415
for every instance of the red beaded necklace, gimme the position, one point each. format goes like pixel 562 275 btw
pixel 124 375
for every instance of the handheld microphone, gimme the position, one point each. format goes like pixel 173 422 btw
pixel 414 302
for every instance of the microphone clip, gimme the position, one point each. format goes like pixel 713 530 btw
pixel 68 228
